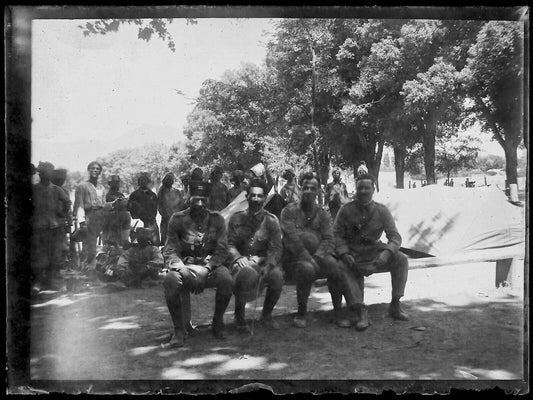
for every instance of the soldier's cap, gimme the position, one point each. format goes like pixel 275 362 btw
pixel 114 178
pixel 198 188
pixel 45 167
pixel 197 174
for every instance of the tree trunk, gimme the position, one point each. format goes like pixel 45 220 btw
pixel 511 162
pixel 399 165
pixel 428 141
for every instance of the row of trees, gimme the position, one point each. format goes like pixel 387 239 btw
pixel 337 91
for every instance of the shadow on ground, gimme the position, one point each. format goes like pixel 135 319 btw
pixel 112 335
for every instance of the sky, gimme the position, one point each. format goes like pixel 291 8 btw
pixel 95 94
pixel 92 95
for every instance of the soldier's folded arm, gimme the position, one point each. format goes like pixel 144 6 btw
pixel 220 252
pixel 391 232
pixel 340 229
pixel 232 239
pixel 327 243
pixel 172 250
pixel 274 248
pixel 292 239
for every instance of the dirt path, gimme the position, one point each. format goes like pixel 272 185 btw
pixel 461 328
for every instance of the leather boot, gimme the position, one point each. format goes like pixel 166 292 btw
pixel 221 303
pixel 361 317
pixel 240 321
pixel 271 298
pixel 175 308
pixel 396 311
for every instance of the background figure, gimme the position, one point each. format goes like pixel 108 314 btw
pixel 169 201
pixel 141 261
pixel 89 206
pixel 64 211
pixel 237 179
pixel 336 194
pixel 143 205
pixel 290 192
pixel 117 221
pixel 47 224
pixel 218 192
pixel 362 168
pixel 185 179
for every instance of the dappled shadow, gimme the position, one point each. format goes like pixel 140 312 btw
pixel 424 234
pixel 123 336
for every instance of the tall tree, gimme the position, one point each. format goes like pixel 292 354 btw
pixel 455 151
pixel 494 80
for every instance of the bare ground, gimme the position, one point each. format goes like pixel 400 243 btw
pixel 460 328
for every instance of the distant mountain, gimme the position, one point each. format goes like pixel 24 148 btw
pixel 76 154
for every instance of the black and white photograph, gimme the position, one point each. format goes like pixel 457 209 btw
pixel 251 199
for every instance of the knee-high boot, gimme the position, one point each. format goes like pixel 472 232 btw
pixel 221 304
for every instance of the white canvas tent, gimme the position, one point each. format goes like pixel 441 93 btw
pixel 444 221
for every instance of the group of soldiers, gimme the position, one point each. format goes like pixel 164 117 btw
pixel 252 250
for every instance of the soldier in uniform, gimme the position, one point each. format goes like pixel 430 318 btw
pixel 117 221
pixel 142 260
pixel 336 194
pixel 143 205
pixel 169 201
pixel 357 229
pixel 254 246
pixel 194 254
pixel 218 192
pixel 237 179
pixel 309 246
pixel 47 223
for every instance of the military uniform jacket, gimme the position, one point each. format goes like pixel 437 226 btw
pixel 304 236
pixel 254 235
pixel 185 239
pixel 137 255
pixel 358 229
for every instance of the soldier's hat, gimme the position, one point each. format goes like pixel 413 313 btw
pixel 237 176
pixel 198 188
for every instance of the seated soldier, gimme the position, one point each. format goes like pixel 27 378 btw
pixel 358 229
pixel 254 245
pixel 194 255
pixel 309 246
pixel 106 261
pixel 140 261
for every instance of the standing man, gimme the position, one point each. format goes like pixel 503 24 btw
pixel 238 184
pixel 290 192
pixel 254 246
pixel 336 194
pixel 194 255
pixel 59 176
pixel 169 201
pixel 47 225
pixel 358 228
pixel 218 192
pixel 310 246
pixel 89 206
pixel 117 221
pixel 143 205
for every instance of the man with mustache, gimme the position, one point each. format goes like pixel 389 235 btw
pixel 254 245
pixel 194 254
pixel 309 245
pixel 358 229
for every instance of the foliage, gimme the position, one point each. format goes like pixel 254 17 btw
pixel 490 161
pixel 156 160
pixel 455 151
pixel 147 28
pixel 493 78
